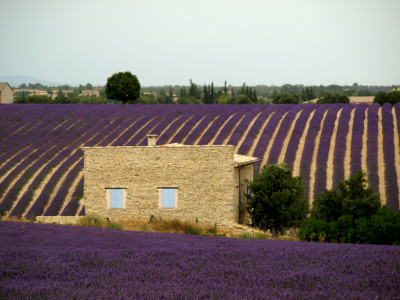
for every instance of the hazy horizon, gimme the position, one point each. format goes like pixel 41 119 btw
pixel 309 42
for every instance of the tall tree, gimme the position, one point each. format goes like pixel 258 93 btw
pixel 123 86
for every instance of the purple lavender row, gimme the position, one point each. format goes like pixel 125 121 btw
pixel 73 205
pixel 82 212
pixel 58 200
pixel 215 126
pixel 226 131
pixel 127 118
pixel 16 189
pixel 372 147
pixel 14 117
pixel 69 262
pixel 324 147
pixel 297 132
pixel 141 134
pixel 21 140
pixel 392 189
pixel 356 140
pixel 28 173
pixel 309 145
pixel 180 136
pixel 252 133
pixel 242 126
pixel 169 117
pixel 84 133
pixel 195 134
pixel 18 123
pixel 32 133
pixel 340 144
pixel 25 157
pixel 38 206
pixel 267 133
pixel 103 126
pixel 141 121
pixel 276 148
pixel 52 156
pixel 174 127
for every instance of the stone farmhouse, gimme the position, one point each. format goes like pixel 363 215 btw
pixel 6 93
pixel 174 181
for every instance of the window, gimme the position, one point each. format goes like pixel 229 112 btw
pixel 116 198
pixel 168 198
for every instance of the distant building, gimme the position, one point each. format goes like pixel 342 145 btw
pixel 90 93
pixel 354 99
pixel 6 93
pixel 204 183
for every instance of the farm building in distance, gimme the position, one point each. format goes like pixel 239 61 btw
pixel 205 183
pixel 6 93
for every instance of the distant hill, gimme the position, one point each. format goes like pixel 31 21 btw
pixel 17 80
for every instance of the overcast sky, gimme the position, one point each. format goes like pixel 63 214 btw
pixel 167 42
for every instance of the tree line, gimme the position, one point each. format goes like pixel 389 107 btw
pixel 124 87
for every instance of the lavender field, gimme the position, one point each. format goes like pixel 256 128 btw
pixel 59 262
pixel 41 162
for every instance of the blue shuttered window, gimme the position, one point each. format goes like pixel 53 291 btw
pixel 116 198
pixel 168 198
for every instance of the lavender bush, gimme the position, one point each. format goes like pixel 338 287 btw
pixel 356 141
pixel 323 149
pixel 372 147
pixel 35 135
pixel 392 189
pixel 340 144
pixel 65 262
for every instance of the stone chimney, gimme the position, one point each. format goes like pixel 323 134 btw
pixel 152 140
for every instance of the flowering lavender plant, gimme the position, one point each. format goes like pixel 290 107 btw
pixel 65 262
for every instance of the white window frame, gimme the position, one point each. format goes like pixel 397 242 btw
pixel 108 197
pixel 160 204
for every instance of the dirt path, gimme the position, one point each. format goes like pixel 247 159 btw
pixel 364 144
pixel 347 156
pixel 381 158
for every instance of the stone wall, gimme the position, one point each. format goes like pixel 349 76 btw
pixel 6 95
pixel 246 176
pixel 64 220
pixel 202 175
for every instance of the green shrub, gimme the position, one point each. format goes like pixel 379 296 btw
pixel 113 225
pixel 351 214
pixel 277 199
pixel 91 221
